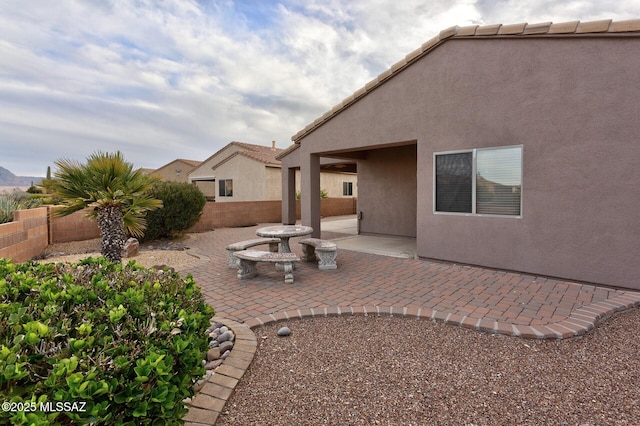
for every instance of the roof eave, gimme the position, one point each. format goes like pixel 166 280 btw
pixel 546 29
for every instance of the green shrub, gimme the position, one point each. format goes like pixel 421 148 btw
pixel 323 194
pixel 34 189
pixel 182 208
pixel 127 341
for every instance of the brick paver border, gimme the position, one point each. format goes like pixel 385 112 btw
pixel 207 405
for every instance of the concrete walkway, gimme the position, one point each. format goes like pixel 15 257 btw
pixel 485 299
pixel 379 275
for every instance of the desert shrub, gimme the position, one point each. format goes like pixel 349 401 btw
pixel 127 341
pixel 323 194
pixel 34 189
pixel 11 203
pixel 182 208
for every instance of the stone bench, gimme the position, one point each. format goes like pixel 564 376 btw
pixel 326 252
pixel 248 259
pixel 243 245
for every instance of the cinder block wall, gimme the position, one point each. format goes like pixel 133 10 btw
pixel 338 206
pixel 34 229
pixel 244 213
pixel 237 213
pixel 27 236
pixel 75 227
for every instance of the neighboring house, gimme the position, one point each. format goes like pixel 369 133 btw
pixel 508 146
pixel 246 172
pixel 177 170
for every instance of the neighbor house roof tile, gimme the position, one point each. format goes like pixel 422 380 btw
pixel 264 154
pixel 563 29
pixel 194 163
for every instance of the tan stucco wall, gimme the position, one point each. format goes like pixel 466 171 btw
pixel 573 105
pixel 273 187
pixel 248 176
pixel 170 171
pixel 330 182
pixel 205 169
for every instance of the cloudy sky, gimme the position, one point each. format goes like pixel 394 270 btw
pixel 160 80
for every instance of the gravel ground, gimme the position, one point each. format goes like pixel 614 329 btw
pixel 170 253
pixel 397 371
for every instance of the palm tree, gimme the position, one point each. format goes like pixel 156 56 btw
pixel 112 191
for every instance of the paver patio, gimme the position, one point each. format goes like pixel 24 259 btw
pixel 491 300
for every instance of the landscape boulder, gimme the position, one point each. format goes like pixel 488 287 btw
pixel 131 248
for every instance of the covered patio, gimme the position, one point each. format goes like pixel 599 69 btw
pixel 484 146
pixel 385 245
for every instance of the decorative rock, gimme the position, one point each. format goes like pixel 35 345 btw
pixel 220 346
pixel 131 248
pixel 224 337
pixel 213 364
pixel 284 331
pixel 213 354
pixel 199 384
pixel 162 268
pixel 225 346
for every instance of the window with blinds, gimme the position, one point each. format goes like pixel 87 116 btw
pixel 481 181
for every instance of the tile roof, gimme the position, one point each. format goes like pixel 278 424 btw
pixel 547 29
pixel 194 163
pixel 261 153
pixel 265 154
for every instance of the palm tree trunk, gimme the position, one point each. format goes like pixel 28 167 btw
pixel 111 226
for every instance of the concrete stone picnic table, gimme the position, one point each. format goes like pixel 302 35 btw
pixel 284 232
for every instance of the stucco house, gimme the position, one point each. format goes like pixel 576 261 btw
pixel 247 172
pixel 507 146
pixel 177 170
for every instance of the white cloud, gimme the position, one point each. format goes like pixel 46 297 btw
pixel 182 78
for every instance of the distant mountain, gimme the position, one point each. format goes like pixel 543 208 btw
pixel 9 179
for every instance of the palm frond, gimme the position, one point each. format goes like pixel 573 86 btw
pixel 106 180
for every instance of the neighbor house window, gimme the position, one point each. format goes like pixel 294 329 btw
pixel 347 188
pixel 480 181
pixel 225 187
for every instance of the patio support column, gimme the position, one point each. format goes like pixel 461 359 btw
pixel 289 197
pixel 310 197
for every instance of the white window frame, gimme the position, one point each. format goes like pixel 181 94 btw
pixel 349 188
pixel 225 192
pixel 473 181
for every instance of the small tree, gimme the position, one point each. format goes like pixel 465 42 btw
pixel 182 205
pixel 115 194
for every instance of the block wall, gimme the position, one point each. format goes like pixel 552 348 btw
pixel 27 236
